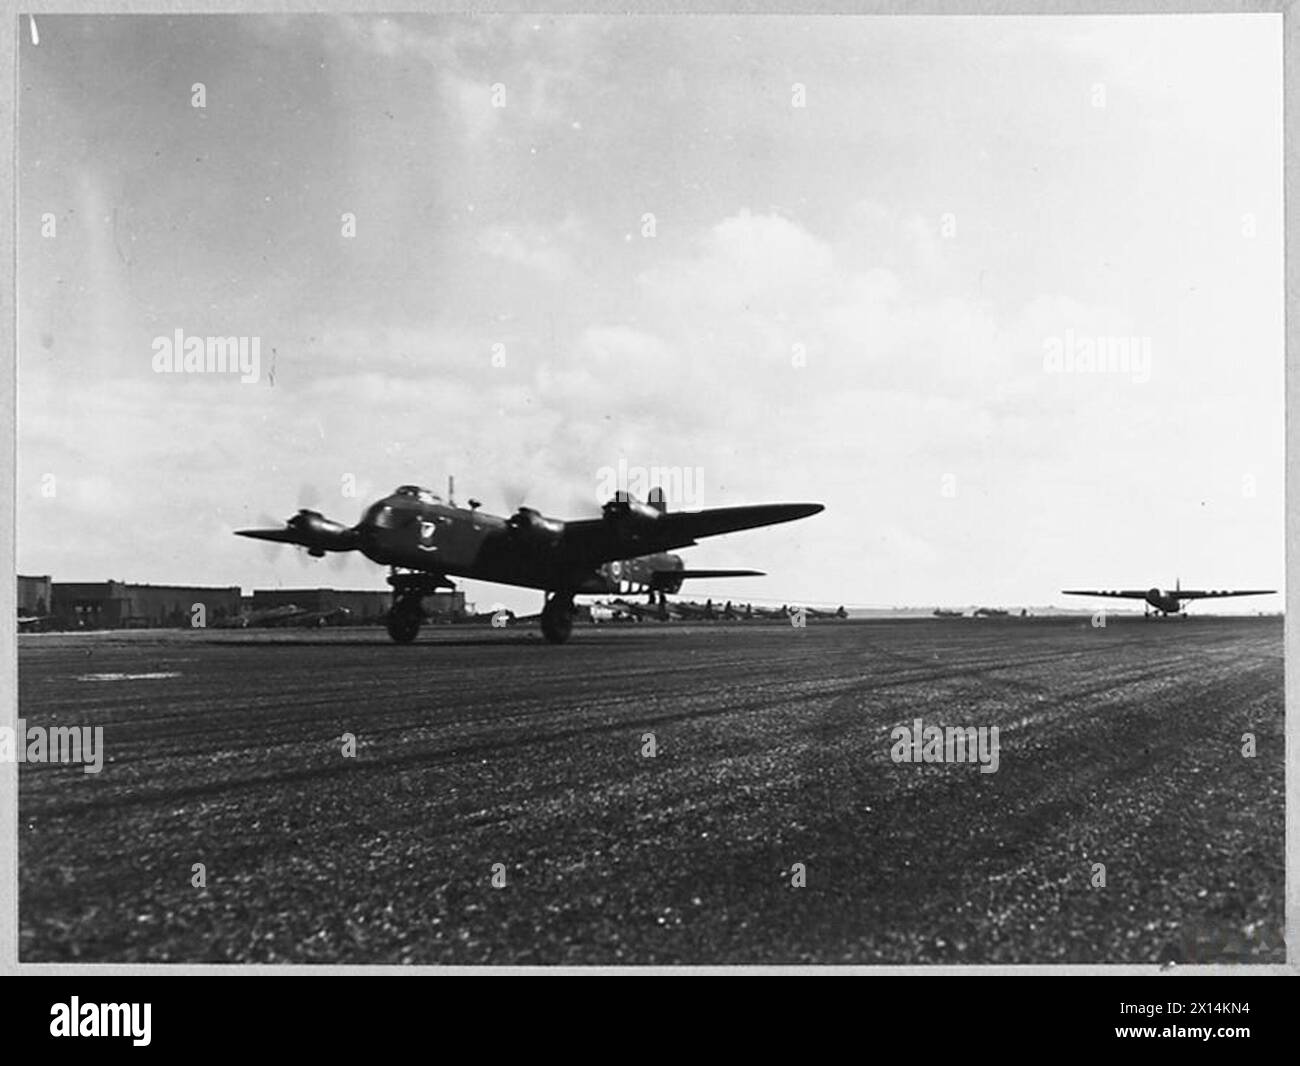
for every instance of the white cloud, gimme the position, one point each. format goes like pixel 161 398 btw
pixel 527 247
pixel 480 226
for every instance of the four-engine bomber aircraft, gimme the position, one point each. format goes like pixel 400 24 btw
pixel 1164 601
pixel 426 540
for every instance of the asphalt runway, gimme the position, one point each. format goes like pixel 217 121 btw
pixel 483 753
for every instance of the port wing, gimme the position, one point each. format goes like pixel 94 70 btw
pixel 623 534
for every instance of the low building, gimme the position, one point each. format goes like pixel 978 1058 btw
pixel 118 605
pixel 34 596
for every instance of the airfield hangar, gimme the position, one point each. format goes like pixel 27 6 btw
pixel 117 605
pixel 120 605
pixel 34 595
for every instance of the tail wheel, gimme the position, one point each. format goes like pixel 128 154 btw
pixel 557 619
pixel 404 622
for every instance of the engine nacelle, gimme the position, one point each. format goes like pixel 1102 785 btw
pixel 628 511
pixel 319 534
pixel 1154 595
pixel 534 527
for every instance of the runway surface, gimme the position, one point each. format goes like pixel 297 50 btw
pixel 482 752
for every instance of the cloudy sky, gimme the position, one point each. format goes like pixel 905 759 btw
pixel 812 258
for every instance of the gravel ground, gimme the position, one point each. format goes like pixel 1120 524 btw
pixel 482 751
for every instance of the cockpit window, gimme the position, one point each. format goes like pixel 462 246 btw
pixel 416 493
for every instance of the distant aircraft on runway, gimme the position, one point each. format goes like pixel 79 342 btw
pixel 266 617
pixel 288 615
pixel 788 611
pixel 696 611
pixel 1165 602
pixel 426 540
pixel 813 612
pixel 636 610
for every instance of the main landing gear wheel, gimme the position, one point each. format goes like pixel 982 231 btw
pixel 404 621
pixel 407 612
pixel 557 618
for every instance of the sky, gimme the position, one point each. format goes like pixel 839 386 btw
pixel 831 259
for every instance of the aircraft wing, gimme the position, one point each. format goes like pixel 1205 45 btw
pixel 310 530
pixel 1123 594
pixel 597 540
pixel 1196 594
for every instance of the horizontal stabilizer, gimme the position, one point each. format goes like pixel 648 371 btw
pixel 718 573
pixel 672 579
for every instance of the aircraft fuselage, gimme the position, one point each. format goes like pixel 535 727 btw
pixel 416 530
pixel 1164 602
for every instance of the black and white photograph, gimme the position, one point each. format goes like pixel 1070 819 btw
pixel 649 491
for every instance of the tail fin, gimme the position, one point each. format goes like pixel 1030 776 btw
pixel 655 498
